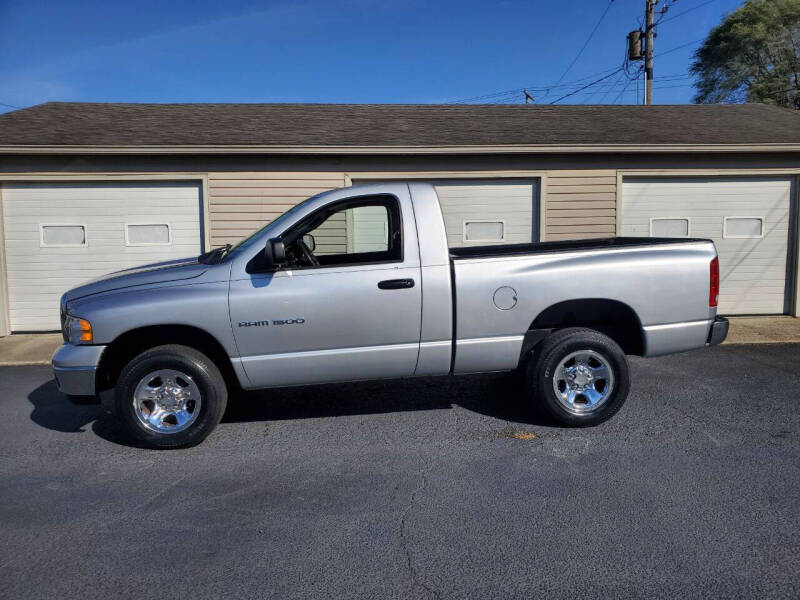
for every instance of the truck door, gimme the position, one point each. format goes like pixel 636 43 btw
pixel 348 304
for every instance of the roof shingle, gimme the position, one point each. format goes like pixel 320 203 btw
pixel 371 125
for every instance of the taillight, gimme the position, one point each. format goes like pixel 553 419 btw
pixel 713 294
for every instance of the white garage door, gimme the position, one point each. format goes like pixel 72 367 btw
pixel 748 219
pixel 59 235
pixel 488 211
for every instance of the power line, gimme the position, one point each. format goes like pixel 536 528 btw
pixel 601 87
pixel 680 14
pixel 630 80
pixel 679 47
pixel 542 92
pixel 604 88
pixel 614 83
pixel 625 84
pixel 537 88
pixel 656 86
pixel 9 105
pixel 586 86
pixel 586 43
pixel 568 84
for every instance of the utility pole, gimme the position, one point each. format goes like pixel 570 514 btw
pixel 648 50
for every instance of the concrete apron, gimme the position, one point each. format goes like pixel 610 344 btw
pixel 38 348
pixel 28 348
pixel 763 330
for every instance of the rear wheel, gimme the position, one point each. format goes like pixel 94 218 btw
pixel 170 397
pixel 579 376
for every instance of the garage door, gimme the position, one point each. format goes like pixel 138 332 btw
pixel 748 219
pixel 488 211
pixel 58 236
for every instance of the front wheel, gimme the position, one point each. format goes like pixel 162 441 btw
pixel 579 376
pixel 170 397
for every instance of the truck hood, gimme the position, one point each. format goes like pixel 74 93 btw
pixel 160 272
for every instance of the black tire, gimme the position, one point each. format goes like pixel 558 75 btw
pixel 555 348
pixel 203 372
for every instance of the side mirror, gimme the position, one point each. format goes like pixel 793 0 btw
pixel 310 242
pixel 275 253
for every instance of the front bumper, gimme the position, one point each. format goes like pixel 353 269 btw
pixel 719 331
pixel 75 367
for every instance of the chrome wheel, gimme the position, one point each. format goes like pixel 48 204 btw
pixel 166 401
pixel 583 381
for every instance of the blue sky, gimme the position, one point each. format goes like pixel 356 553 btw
pixel 403 51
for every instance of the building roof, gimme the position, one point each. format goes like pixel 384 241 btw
pixel 74 126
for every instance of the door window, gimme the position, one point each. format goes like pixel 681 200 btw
pixel 743 227
pixel 484 231
pixel 63 236
pixel 669 227
pixel 352 232
pixel 147 234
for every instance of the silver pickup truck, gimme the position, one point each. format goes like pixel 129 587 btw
pixel 359 283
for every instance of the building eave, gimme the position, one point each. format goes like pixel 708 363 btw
pixel 402 150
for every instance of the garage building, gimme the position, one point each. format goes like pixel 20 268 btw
pixel 86 189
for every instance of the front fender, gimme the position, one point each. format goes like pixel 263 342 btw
pixel 201 305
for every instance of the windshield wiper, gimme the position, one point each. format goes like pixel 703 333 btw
pixel 215 256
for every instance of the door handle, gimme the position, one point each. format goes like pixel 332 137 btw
pixel 396 284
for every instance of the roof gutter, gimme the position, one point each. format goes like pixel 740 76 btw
pixel 413 150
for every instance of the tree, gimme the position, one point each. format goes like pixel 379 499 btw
pixel 752 56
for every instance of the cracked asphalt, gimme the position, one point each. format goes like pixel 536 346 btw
pixel 430 488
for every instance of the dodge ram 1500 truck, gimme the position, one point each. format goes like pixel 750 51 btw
pixel 359 283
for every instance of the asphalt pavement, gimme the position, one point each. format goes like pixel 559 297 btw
pixel 430 488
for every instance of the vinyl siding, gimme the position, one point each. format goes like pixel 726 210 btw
pixel 580 204
pixel 242 202
pixel 367 229
pixel 331 236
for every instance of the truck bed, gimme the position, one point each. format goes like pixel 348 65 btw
pixel 496 250
pixel 663 282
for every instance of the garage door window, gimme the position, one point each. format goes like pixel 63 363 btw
pixel 743 227
pixel 58 235
pixel 484 231
pixel 147 234
pixel 669 227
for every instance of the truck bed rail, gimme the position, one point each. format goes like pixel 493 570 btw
pixel 562 246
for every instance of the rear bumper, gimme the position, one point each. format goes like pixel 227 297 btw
pixel 719 331
pixel 75 368
pixel 675 337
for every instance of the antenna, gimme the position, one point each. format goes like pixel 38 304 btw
pixel 528 98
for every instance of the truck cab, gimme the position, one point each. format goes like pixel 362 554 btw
pixel 345 301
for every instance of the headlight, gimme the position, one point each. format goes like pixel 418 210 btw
pixel 77 330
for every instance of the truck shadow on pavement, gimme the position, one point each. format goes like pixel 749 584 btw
pixel 52 410
pixel 501 396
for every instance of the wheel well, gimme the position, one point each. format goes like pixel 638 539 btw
pixel 132 343
pixel 615 319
